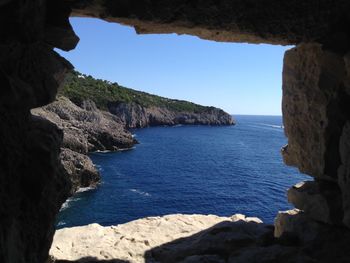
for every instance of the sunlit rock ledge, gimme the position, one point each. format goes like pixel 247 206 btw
pixel 170 238
pixel 204 239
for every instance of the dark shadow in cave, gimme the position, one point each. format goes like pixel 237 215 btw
pixel 219 243
pixel 92 260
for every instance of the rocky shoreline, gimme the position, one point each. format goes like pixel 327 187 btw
pixel 88 129
pixel 85 129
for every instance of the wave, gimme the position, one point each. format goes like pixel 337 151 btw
pixel 84 189
pixel 66 204
pixel 74 198
pixel 61 223
pixel 140 192
pixel 272 126
pixel 126 149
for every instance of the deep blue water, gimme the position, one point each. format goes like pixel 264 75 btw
pixel 190 169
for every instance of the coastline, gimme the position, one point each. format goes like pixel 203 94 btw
pixel 88 129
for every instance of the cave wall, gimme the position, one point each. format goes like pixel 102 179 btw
pixel 315 98
pixel 316 110
pixel 32 185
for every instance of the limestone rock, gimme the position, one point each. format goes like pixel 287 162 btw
pixel 85 129
pixel 312 91
pixel 319 200
pixel 172 238
pixel 136 116
pixel 268 21
pixel 295 223
pixel 267 254
pixel 316 242
pixel 344 171
pixel 80 169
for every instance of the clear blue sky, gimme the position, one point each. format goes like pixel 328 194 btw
pixel 239 78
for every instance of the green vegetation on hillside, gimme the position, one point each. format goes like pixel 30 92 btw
pixel 79 87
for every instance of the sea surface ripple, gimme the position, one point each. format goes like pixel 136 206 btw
pixel 190 169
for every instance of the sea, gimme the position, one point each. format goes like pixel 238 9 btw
pixel 221 170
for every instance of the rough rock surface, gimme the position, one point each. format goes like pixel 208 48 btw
pixel 136 116
pixel 316 99
pixel 85 129
pixel 32 184
pixel 80 169
pixel 268 21
pixel 317 242
pixel 320 200
pixel 172 238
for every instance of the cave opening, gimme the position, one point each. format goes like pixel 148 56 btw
pixel 243 79
pixel 315 110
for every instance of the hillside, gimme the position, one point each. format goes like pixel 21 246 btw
pixel 95 115
pixel 79 87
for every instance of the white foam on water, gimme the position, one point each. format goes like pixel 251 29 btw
pixel 272 126
pixel 84 189
pixel 66 204
pixel 140 192
pixel 61 223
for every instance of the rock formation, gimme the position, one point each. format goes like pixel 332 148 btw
pixel 315 107
pixel 137 116
pixel 86 129
pixel 161 239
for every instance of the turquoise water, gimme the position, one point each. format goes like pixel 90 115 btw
pixel 190 169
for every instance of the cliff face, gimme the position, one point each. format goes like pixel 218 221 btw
pixel 137 109
pixel 85 129
pixel 88 129
pixel 137 116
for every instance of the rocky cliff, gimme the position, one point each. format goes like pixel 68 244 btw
pixel 137 116
pixel 85 129
pixel 138 109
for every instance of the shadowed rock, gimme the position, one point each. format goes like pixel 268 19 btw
pixel 172 238
pixel 320 200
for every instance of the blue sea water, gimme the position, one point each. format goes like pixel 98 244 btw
pixel 190 169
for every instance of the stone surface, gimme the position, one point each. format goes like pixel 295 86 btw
pixel 344 171
pixel 80 169
pixel 317 242
pixel 295 223
pixel 172 238
pixel 319 200
pixel 136 116
pixel 313 94
pixel 32 182
pixel 268 21
pixel 316 109
pixel 33 186
pixel 85 129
